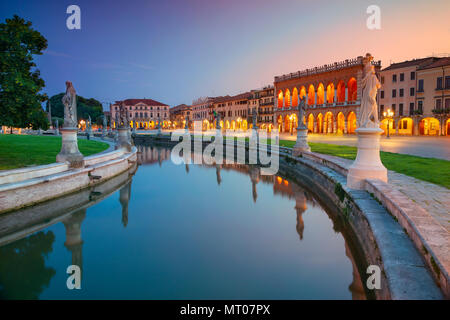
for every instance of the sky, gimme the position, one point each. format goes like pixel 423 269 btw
pixel 174 51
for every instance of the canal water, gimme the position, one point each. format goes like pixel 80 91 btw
pixel 181 232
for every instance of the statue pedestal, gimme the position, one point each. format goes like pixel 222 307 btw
pixel 123 139
pixel 367 164
pixel 69 149
pixel 302 142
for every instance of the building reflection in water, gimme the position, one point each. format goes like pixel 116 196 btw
pixel 281 186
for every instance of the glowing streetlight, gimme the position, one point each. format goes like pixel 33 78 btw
pixel 389 115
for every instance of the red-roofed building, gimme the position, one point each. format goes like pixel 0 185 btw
pixel 143 113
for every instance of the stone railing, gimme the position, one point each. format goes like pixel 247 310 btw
pixel 27 186
pixel 325 68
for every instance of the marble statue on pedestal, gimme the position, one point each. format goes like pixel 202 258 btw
pixel 254 125
pixel 70 106
pixel 367 164
pixel 301 144
pixel 368 114
pixel 124 134
pixel 69 148
pixel 301 112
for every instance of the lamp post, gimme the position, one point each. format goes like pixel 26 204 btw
pixel 389 114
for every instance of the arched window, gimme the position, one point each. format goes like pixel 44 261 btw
pixel 311 95
pixel 341 91
pixel 320 94
pixel 352 90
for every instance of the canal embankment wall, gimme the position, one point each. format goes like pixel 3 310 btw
pixel 394 231
pixel 28 186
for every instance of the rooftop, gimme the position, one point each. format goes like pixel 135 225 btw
pixel 410 63
pixel 241 96
pixel 149 102
pixel 436 64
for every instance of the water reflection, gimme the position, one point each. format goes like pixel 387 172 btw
pixel 124 198
pixel 23 244
pixel 281 186
pixel 23 273
pixel 74 242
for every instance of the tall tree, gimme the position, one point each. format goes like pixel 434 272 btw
pixel 20 81
pixel 85 108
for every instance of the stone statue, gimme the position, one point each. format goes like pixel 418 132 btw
pixel 70 106
pixel 89 125
pixel 218 121
pixel 123 117
pixel 105 123
pixel 69 147
pixel 301 112
pixel 254 119
pixel 368 115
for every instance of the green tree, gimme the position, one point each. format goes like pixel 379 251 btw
pixel 85 108
pixel 20 81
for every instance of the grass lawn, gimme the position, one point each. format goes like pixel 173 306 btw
pixel 17 151
pixel 433 170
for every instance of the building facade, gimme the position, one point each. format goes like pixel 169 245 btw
pixel 433 98
pixel 262 102
pixel 333 97
pixel 233 111
pixel 142 113
pixel 179 115
pixel 398 93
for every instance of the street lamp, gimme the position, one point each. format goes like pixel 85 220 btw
pixel 389 115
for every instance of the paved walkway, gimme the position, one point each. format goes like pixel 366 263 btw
pixel 430 147
pixel 433 198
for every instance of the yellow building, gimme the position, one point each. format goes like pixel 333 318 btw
pixel 433 98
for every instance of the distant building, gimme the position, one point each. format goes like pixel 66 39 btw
pixel 143 113
pixel 201 111
pixel 398 93
pixel 333 93
pixel 179 114
pixel 433 98
pixel 263 101
pixel 233 111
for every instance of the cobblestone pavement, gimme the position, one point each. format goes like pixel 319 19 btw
pixel 431 147
pixel 433 198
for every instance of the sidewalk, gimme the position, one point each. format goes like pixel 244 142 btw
pixel 433 198
pixel 422 146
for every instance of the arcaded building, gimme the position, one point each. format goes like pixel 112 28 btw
pixel 179 115
pixel 433 98
pixel 399 94
pixel 233 111
pixel 333 97
pixel 142 113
